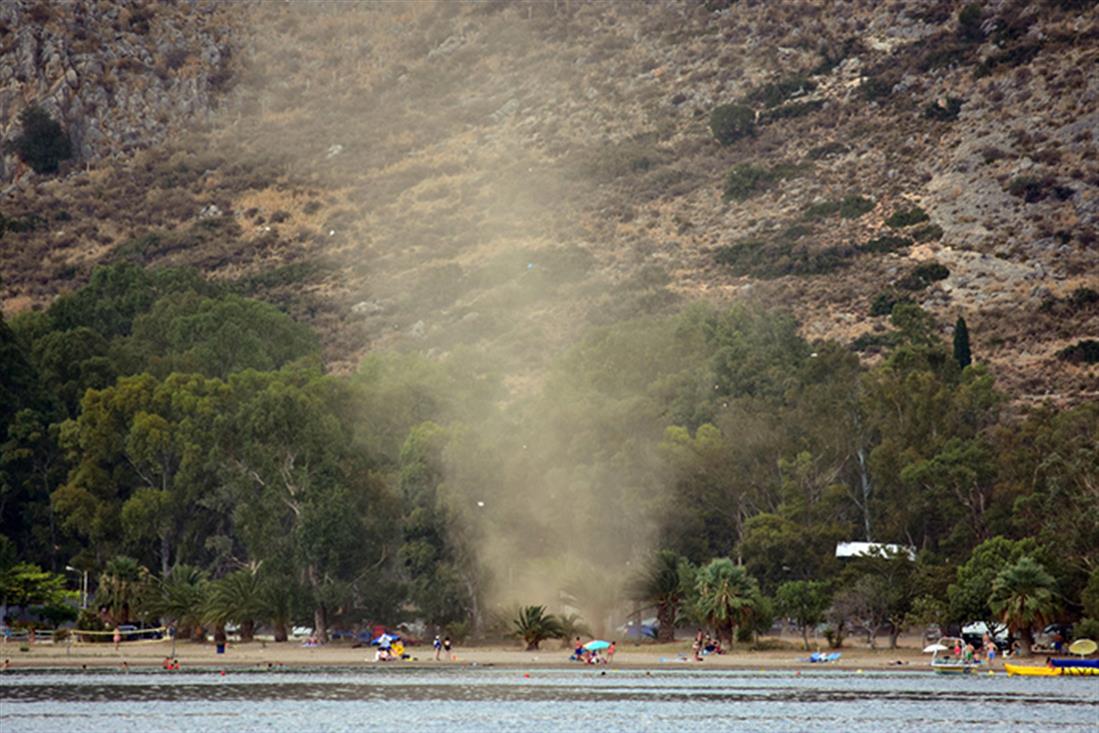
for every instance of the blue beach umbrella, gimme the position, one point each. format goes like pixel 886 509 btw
pixel 384 640
pixel 594 646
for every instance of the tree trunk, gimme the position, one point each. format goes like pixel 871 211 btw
pixel 247 630
pixel 805 636
pixel 165 548
pixel 320 623
pixel 665 623
pixel 280 631
pixel 1026 642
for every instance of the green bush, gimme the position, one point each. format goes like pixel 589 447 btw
pixel 929 233
pixel 1082 297
pixel 874 342
pixel 885 243
pixel 780 257
pixel 850 207
pixel 1015 55
pixel 731 122
pixel 875 88
pixel 1082 352
pixel 1086 628
pixel 827 150
pixel 775 93
pixel 944 110
pixel 969 23
pixel 923 275
pixel 745 180
pixel 794 109
pixel 906 217
pixel 883 302
pixel 42 144
pixel 1029 188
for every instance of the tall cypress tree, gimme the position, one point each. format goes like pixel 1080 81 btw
pixel 961 344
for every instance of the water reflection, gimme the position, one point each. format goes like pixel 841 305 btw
pixel 487 699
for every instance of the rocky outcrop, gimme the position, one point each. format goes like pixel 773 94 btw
pixel 117 74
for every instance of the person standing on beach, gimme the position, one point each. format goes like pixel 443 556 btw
pixel 117 637
pixel 446 648
pixel 438 647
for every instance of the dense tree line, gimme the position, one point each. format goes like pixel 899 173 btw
pixel 184 446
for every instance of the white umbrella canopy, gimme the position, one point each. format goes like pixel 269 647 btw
pixel 936 647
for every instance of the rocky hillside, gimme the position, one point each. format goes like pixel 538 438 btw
pixel 497 175
pixel 119 76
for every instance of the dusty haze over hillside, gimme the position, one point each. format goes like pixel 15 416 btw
pixel 482 181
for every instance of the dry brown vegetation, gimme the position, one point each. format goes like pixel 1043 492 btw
pixel 498 174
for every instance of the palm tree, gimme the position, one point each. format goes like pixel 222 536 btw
pixel 533 625
pixel 179 598
pixel 1022 596
pixel 572 626
pixel 665 584
pixel 121 586
pixel 236 597
pixel 727 597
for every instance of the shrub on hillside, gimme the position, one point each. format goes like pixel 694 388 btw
pixel 1082 352
pixel 731 122
pixel 875 88
pixel 1035 188
pixel 944 110
pixel 851 206
pixel 906 217
pixel 883 302
pixel 775 93
pixel 885 243
pixel 928 233
pixel 827 150
pixel 969 23
pixel 745 180
pixel 42 144
pixel 923 275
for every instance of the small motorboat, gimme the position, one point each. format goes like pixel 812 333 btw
pixel 949 656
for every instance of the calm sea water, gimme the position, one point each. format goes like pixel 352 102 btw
pixel 493 699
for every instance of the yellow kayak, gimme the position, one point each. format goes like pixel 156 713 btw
pixel 1029 671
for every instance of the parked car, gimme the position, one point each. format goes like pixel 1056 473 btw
pixel 974 633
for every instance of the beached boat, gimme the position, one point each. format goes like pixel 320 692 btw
pixel 1025 670
pixel 945 661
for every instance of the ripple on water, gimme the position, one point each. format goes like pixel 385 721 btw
pixel 457 700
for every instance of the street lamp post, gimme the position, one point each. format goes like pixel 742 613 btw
pixel 83 585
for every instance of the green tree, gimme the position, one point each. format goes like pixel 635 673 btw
pixel 804 602
pixel 961 344
pixel 42 144
pixel 299 490
pixel 25 584
pixel 1022 596
pixel 216 336
pixel 122 587
pixel 533 625
pixel 968 596
pixel 664 583
pixel 180 598
pixel 236 597
pixel 727 597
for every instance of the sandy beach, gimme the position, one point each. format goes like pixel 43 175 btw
pixel 260 654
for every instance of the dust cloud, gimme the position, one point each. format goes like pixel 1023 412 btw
pixel 443 162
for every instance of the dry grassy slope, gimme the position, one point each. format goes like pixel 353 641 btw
pixel 495 175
